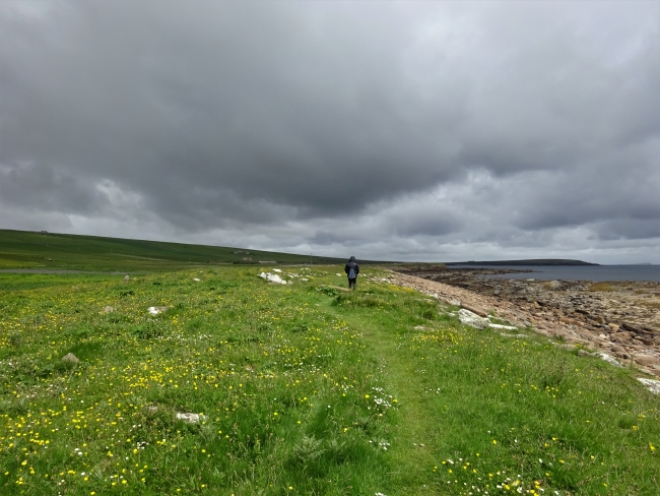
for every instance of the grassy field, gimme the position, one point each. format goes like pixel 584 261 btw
pixel 301 389
pixel 31 250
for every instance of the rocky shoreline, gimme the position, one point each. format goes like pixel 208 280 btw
pixel 621 319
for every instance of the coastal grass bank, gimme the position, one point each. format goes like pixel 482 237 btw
pixel 216 382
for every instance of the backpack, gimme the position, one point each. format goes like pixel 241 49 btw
pixel 351 273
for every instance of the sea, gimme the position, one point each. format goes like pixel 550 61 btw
pixel 596 273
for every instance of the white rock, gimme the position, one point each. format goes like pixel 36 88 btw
pixel 108 309
pixel 517 336
pixel 608 358
pixel 472 319
pixel 304 279
pixel 157 310
pixel 651 384
pixel 338 274
pixel 196 279
pixel 503 327
pixel 279 271
pixel 272 278
pixel 191 418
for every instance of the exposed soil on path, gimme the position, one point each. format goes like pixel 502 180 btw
pixel 621 319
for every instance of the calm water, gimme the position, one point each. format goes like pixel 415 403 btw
pixel 577 273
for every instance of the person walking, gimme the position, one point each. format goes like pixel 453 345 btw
pixel 352 270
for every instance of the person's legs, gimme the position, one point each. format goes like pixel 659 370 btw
pixel 351 283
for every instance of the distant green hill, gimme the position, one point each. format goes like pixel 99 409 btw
pixel 33 250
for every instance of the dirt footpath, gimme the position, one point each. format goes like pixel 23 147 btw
pixel 627 342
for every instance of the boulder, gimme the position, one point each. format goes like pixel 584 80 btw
pixel 472 319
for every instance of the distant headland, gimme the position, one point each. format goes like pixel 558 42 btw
pixel 534 261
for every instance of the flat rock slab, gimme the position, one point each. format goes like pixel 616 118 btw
pixel 472 319
pixel 475 310
pixel 651 384
pixel 503 327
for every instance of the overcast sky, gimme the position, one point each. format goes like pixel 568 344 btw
pixel 433 131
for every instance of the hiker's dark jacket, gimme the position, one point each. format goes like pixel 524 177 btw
pixel 352 263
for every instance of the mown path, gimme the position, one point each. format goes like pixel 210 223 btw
pixel 413 445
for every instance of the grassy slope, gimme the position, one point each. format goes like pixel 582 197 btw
pixel 303 388
pixel 22 249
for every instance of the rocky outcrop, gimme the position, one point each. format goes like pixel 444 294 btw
pixel 621 320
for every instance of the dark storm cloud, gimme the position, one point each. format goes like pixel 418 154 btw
pixel 401 128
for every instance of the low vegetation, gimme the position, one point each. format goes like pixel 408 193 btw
pixel 49 251
pixel 299 389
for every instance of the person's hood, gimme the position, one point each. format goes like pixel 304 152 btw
pixel 352 259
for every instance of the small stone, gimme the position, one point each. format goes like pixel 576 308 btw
pixel 157 310
pixel 126 278
pixel 196 279
pixel 108 309
pixel 191 418
pixel 71 358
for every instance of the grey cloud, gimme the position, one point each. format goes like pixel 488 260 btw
pixel 326 125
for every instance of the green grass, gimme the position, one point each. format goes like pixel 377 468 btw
pixel 31 250
pixel 303 390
